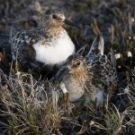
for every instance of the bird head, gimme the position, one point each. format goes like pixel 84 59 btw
pixel 77 63
pixel 56 17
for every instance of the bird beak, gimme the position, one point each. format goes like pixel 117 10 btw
pixel 71 23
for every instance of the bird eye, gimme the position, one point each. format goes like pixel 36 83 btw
pixel 54 16
pixel 78 63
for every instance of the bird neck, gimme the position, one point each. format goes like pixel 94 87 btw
pixel 80 75
pixel 53 30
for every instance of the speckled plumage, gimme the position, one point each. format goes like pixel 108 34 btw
pixel 90 76
pixel 48 44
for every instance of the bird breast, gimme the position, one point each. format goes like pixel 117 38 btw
pixel 55 51
pixel 75 91
pixel 75 87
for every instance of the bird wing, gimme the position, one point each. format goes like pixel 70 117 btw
pixel 97 46
pixel 101 71
pixel 26 37
pixel 21 44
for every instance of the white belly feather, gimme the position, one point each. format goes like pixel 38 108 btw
pixel 60 50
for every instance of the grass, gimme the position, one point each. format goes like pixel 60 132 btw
pixel 33 107
pixel 27 106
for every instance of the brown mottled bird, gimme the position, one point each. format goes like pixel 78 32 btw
pixel 48 44
pixel 89 76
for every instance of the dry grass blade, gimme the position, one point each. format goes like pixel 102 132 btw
pixel 29 107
